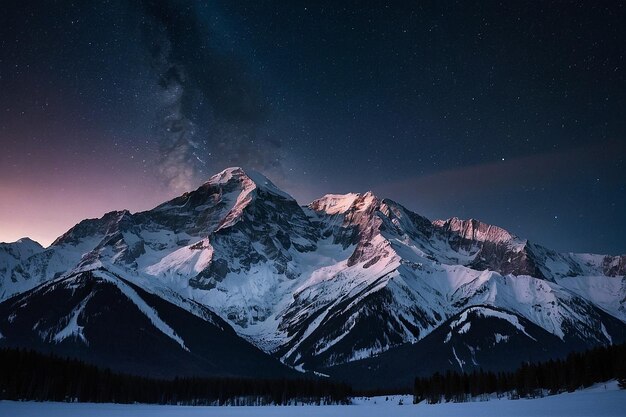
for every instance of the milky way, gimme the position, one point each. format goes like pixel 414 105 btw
pixel 211 109
pixel 510 113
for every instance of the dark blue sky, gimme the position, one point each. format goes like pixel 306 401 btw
pixel 510 112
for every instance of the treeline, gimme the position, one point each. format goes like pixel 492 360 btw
pixel 28 375
pixel 578 370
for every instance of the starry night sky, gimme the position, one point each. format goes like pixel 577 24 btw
pixel 509 112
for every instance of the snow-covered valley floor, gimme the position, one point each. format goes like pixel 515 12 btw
pixel 599 401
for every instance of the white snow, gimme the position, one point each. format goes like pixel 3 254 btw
pixel 143 307
pixel 459 361
pixel 465 328
pixel 501 338
pixel 487 312
pixel 334 203
pixel 184 261
pixel 602 400
pixel 251 180
pixel 72 328
pixel 605 292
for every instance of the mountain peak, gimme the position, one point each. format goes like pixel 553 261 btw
pixel 334 203
pixel 24 243
pixel 474 229
pixel 27 241
pixel 341 203
pixel 227 175
pixel 249 180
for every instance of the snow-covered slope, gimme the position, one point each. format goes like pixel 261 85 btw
pixel 344 278
pixel 102 318
pixel 12 257
pixel 407 275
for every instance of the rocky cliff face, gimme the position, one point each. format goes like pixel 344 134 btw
pixel 491 247
pixel 614 266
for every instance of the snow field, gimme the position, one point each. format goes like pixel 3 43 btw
pixel 602 400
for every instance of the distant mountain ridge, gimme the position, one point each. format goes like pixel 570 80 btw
pixel 321 287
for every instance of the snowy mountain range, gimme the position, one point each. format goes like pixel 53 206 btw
pixel 353 286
